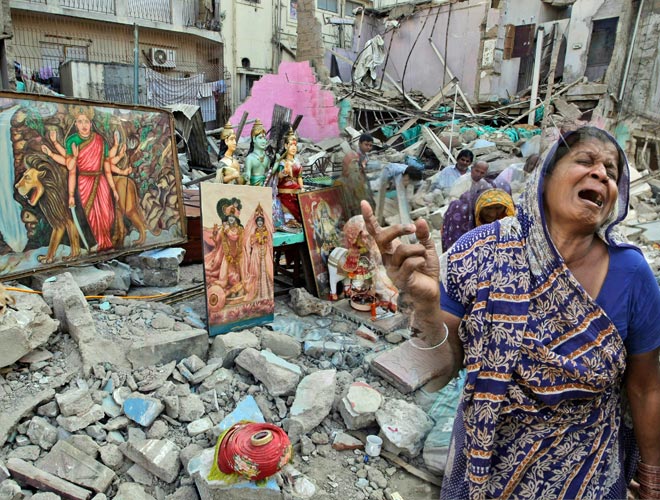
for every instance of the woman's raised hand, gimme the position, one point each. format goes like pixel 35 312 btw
pixel 413 268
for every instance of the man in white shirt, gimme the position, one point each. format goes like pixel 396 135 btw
pixel 450 174
pixel 478 171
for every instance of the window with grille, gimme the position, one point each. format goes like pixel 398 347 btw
pixel 53 54
pixel 330 5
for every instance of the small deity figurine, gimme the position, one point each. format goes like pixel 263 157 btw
pixel 257 161
pixel 289 176
pixel 229 171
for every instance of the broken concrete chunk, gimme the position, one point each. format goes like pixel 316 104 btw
pixel 132 491
pixel 28 474
pixel 304 303
pixel 24 407
pixel 279 376
pixel 199 426
pixel 143 409
pixel 229 345
pixel 112 456
pixel 403 427
pixel 42 433
pixel 191 408
pixel 77 422
pixel 158 456
pixel 358 408
pixel 90 280
pixel 314 397
pixel 21 331
pixel 68 462
pixel 156 267
pixel 74 402
pixel 168 346
pixel 280 344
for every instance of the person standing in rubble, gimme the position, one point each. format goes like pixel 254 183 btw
pixel 465 183
pixel 557 321
pixel 446 178
pixel 354 181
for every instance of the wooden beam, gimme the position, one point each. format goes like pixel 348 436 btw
pixel 241 124
pixel 570 85
pixel 540 34
pixel 556 37
pixel 451 75
pixel 427 107
pixel 398 87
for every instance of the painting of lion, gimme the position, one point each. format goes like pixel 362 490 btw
pixel 43 185
pixel 129 205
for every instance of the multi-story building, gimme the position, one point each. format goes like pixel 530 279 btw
pixel 89 49
pixel 259 34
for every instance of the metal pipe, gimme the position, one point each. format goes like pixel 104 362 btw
pixel 630 52
pixel 136 65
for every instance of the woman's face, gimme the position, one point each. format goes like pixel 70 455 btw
pixel 231 142
pixel 492 213
pixel 583 189
pixel 292 147
pixel 84 125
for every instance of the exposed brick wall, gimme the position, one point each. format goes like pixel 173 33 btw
pixel 310 44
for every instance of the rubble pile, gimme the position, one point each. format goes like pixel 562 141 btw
pixel 117 398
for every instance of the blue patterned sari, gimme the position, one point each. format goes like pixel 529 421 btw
pixel 541 414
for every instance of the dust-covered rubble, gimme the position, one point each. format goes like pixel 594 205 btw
pixel 77 424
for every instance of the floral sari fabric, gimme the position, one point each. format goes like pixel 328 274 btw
pixel 540 416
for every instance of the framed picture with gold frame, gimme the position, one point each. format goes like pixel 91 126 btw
pixel 237 233
pixel 323 219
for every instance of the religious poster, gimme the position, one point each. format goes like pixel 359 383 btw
pixel 293 10
pixel 323 218
pixel 84 181
pixel 237 233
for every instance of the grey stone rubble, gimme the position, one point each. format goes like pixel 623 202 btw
pixel 113 398
pixel 117 399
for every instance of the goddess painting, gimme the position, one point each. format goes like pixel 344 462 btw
pixel 90 164
pixel 259 256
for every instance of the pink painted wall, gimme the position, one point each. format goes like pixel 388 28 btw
pixel 294 86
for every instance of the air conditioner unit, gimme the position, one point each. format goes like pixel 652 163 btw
pixel 162 58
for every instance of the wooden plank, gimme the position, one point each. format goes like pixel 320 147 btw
pixel 241 124
pixel 429 478
pixel 391 457
pixel 27 473
pixel 451 75
pixel 398 87
pixel 427 107
pixel 431 139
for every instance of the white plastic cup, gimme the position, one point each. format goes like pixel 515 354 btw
pixel 372 448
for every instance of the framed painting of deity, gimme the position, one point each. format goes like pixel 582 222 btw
pixel 237 234
pixel 83 181
pixel 323 219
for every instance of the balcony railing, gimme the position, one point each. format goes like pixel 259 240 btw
pixel 102 6
pixel 187 11
pixel 151 10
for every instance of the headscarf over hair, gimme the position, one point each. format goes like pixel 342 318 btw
pixel 508 275
pixel 532 199
pixel 257 128
pixel 490 198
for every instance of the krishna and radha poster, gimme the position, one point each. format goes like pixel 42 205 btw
pixel 84 181
pixel 237 230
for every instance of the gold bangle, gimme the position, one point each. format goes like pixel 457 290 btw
pixel 435 346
